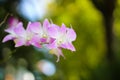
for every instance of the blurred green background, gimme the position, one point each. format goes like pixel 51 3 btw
pixel 89 60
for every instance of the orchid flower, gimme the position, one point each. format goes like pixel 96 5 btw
pixel 63 37
pixel 31 37
pixel 20 36
pixel 51 35
pixel 12 35
pixel 41 31
pixel 26 37
pixel 12 23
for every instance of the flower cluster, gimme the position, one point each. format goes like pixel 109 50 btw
pixel 54 37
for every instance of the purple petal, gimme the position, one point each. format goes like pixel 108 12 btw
pixel 27 43
pixel 46 23
pixel 7 38
pixel 63 28
pixel 34 27
pixel 35 38
pixel 12 21
pixel 36 44
pixel 10 30
pixel 70 46
pixel 19 42
pixel 19 30
pixel 52 45
pixel 51 40
pixel 43 40
pixel 71 34
pixel 35 41
pixel 63 46
pixel 53 31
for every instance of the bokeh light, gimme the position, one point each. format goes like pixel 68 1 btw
pixel 46 67
pixel 34 9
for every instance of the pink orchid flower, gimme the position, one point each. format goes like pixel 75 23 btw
pixel 63 37
pixel 21 36
pixel 41 31
pixel 12 23
pixel 12 35
pixel 51 35
pixel 28 37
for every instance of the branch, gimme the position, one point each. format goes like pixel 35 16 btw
pixel 4 20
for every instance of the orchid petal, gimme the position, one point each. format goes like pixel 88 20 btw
pixel 12 21
pixel 63 46
pixel 19 30
pixel 51 40
pixel 43 40
pixel 35 41
pixel 36 44
pixel 46 23
pixel 52 45
pixel 71 34
pixel 63 28
pixel 70 46
pixel 34 27
pixel 35 38
pixel 10 30
pixel 53 31
pixel 57 52
pixel 7 38
pixel 19 42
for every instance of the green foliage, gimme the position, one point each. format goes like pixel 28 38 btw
pixel 87 62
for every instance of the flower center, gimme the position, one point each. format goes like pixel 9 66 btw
pixel 44 36
pixel 29 37
pixel 59 41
